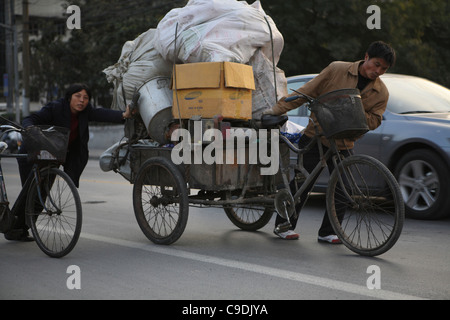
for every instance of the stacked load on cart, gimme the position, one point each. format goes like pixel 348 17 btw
pixel 225 54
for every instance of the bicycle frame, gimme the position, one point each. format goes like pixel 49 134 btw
pixel 311 177
pixel 3 194
pixel 308 178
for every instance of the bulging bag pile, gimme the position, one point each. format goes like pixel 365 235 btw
pixel 217 30
pixel 138 62
pixel 205 31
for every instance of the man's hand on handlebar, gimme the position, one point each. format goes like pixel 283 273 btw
pixel 269 111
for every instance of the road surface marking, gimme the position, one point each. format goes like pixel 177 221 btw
pixel 255 268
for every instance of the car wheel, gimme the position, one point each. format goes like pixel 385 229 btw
pixel 423 179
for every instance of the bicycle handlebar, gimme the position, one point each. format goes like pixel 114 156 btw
pixel 6 124
pixel 289 99
pixel 9 127
pixel 301 95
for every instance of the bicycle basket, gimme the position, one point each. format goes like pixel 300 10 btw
pixel 46 143
pixel 341 114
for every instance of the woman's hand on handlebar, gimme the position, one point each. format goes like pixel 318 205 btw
pixel 129 112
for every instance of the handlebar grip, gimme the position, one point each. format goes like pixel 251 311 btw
pixel 9 127
pixel 292 98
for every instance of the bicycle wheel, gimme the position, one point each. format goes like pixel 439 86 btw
pixel 160 201
pixel 54 212
pixel 367 214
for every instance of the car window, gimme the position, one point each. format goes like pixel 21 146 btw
pixel 294 85
pixel 302 111
pixel 416 95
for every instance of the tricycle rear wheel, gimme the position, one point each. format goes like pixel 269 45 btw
pixel 160 201
pixel 249 218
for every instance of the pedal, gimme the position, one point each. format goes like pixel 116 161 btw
pixel 284 204
pixel 283 227
pixel 299 178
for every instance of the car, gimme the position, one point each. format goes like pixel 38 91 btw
pixel 413 141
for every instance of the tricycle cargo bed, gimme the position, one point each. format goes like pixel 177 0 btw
pixel 213 177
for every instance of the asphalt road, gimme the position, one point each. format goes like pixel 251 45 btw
pixel 215 260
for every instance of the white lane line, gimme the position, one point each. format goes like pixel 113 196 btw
pixel 250 267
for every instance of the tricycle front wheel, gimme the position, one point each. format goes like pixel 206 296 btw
pixel 160 201
pixel 365 205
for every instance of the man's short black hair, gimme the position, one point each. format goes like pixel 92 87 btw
pixel 77 87
pixel 380 49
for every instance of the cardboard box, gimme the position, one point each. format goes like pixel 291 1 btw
pixel 208 89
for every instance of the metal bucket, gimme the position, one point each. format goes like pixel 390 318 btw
pixel 155 107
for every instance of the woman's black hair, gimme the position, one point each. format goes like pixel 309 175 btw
pixel 380 49
pixel 77 87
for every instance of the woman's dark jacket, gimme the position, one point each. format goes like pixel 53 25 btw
pixel 57 113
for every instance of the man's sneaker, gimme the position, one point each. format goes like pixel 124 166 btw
pixel 288 235
pixel 332 238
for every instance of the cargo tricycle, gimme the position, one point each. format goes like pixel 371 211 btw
pixel 363 198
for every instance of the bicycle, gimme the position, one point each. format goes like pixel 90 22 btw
pixel 53 208
pixel 363 199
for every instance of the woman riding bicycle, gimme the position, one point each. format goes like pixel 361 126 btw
pixel 74 111
pixel 363 75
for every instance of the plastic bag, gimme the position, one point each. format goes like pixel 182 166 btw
pixel 265 96
pixel 292 131
pixel 138 62
pixel 117 157
pixel 217 30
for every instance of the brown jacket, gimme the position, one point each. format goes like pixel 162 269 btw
pixel 341 75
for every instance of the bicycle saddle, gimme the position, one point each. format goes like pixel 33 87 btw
pixel 271 121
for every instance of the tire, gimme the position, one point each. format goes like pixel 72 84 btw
pixel 160 201
pixel 374 217
pixel 249 218
pixel 57 226
pixel 423 179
